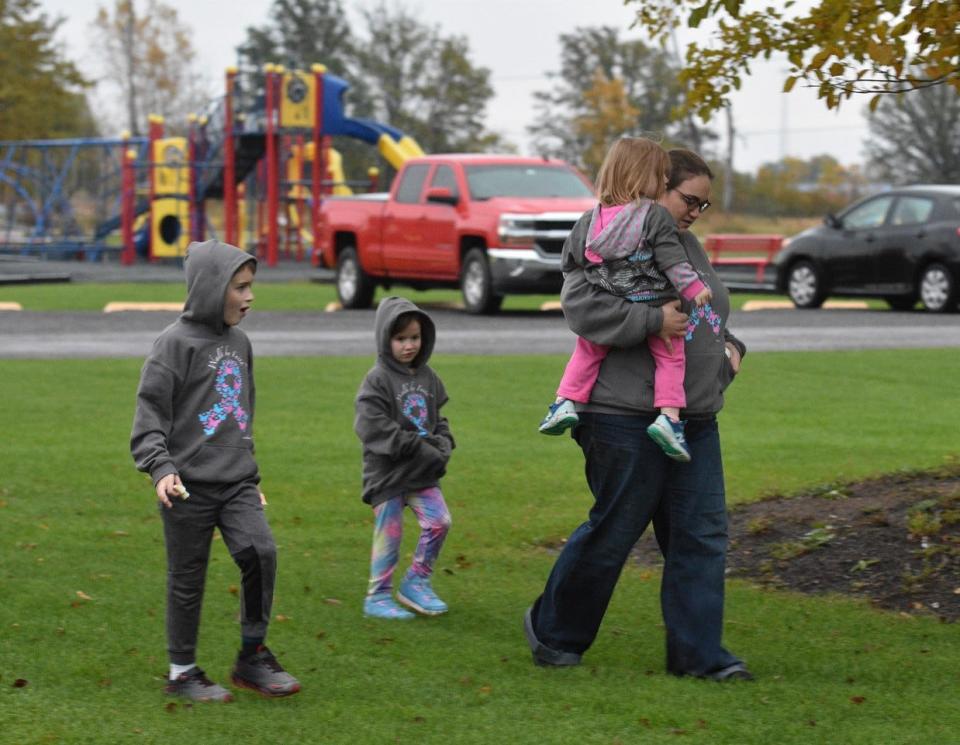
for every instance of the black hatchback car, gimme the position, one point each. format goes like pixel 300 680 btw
pixel 901 245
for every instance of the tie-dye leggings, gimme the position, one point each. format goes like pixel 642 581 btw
pixel 434 518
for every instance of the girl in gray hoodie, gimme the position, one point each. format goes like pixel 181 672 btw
pixel 406 446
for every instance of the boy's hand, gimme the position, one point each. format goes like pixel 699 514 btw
pixel 170 486
pixel 263 499
pixel 703 297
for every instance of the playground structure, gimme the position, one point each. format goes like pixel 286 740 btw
pixel 270 165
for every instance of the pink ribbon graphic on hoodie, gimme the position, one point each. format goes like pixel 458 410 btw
pixel 229 385
pixel 415 410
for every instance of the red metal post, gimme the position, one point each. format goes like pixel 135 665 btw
pixel 154 133
pixel 128 254
pixel 272 162
pixel 229 163
pixel 316 173
pixel 192 212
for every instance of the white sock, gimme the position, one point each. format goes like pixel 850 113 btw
pixel 177 670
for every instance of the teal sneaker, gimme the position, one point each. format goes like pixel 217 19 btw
pixel 668 434
pixel 416 593
pixel 561 416
pixel 382 605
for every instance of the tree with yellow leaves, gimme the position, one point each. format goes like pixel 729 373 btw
pixel 608 116
pixel 840 47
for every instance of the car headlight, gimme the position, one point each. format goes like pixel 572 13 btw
pixel 516 230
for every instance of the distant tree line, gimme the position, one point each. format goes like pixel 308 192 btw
pixel 411 75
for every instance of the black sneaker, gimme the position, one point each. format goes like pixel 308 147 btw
pixel 261 672
pixel 196 686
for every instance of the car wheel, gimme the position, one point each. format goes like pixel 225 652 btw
pixel 804 285
pixel 476 284
pixel 901 302
pixel 938 289
pixel 355 287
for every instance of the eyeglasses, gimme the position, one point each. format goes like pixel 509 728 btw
pixel 692 201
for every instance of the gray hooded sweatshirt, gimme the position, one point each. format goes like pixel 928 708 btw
pixel 195 402
pixel 406 441
pixel 625 382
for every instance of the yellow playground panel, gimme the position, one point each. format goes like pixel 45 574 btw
pixel 170 211
pixel 297 102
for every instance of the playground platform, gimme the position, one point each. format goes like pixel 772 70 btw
pixel 32 270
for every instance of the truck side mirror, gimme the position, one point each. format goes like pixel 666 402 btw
pixel 832 221
pixel 441 195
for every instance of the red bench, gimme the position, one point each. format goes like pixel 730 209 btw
pixel 740 249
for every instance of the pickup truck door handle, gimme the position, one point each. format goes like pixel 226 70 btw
pixel 870 238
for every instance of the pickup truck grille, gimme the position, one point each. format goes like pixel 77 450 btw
pixel 550 246
pixel 547 230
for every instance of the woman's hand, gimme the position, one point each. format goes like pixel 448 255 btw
pixel 733 354
pixel 674 323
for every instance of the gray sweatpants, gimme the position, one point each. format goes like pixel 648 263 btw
pixel 188 531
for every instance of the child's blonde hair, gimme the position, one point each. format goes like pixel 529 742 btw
pixel 634 167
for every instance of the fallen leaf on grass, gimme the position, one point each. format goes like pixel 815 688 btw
pixel 233 589
pixel 120 533
pixel 83 596
pixel 21 683
pixel 332 601
pixel 280 618
pixel 858 699
pixel 486 690
pixel 171 707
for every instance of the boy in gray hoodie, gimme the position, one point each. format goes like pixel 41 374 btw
pixel 193 434
pixel 406 446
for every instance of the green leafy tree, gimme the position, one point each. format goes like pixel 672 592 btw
pixel 915 137
pixel 424 83
pixel 148 60
pixel 41 93
pixel 840 47
pixel 647 76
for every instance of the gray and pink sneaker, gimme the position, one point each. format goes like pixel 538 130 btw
pixel 260 672
pixel 194 685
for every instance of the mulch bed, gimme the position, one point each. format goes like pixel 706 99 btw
pixel 894 540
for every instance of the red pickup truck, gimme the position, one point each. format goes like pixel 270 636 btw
pixel 491 225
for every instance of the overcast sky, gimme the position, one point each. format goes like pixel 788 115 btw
pixel 518 41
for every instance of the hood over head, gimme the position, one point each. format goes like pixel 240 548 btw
pixel 209 267
pixel 387 312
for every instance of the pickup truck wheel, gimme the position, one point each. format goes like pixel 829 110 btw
pixel 355 288
pixel 477 285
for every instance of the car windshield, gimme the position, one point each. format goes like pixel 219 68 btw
pixel 532 181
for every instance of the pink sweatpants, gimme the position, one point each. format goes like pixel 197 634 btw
pixel 583 368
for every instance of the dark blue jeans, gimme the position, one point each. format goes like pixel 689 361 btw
pixel 634 483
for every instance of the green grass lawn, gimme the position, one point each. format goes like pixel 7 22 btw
pixel 82 572
pixel 276 296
